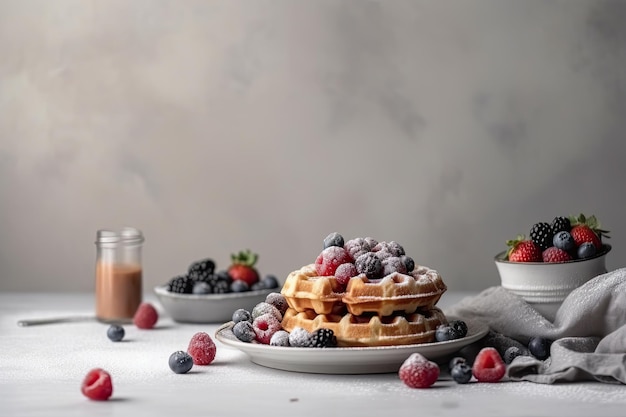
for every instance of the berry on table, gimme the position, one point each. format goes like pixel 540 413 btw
pixel 488 365
pixel 180 362
pixel 333 239
pixel 539 347
pixel 329 259
pixel 202 348
pixel 461 373
pixel 146 316
pixel 555 255
pixel 418 372
pixel 115 332
pixel 97 385
pixel 455 361
pixel 522 250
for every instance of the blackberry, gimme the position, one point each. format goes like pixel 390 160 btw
pixel 369 264
pixel 221 287
pixel 561 224
pixel 181 284
pixel 333 239
pixel 541 233
pixel 202 266
pixel 445 332
pixel 200 276
pixel 322 338
pixel 460 326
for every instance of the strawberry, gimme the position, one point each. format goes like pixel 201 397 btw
pixel 555 255
pixel 488 365
pixel 587 229
pixel 523 250
pixel 242 267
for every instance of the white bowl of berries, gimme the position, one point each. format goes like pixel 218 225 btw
pixel 204 294
pixel 557 258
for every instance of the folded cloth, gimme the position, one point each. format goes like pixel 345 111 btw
pixel 588 332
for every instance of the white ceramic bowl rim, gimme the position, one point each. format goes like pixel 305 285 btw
pixel 606 248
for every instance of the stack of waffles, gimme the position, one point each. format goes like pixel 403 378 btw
pixel 397 309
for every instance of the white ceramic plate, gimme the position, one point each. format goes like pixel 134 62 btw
pixel 208 308
pixel 346 360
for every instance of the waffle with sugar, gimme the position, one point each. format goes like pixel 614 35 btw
pixel 370 330
pixel 305 290
pixel 421 288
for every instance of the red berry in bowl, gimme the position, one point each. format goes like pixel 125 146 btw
pixel 146 316
pixel 329 259
pixel 488 365
pixel 202 349
pixel 555 255
pixel 418 372
pixel 523 250
pixel 97 385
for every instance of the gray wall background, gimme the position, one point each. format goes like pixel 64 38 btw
pixel 214 126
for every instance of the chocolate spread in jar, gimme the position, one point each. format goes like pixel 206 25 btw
pixel 118 291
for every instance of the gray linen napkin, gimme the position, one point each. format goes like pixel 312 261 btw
pixel 589 330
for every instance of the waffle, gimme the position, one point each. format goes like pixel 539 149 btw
pixel 395 292
pixel 351 330
pixel 304 290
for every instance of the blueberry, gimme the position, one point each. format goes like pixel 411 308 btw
pixel 461 373
pixel 586 250
pixel 201 287
pixel 408 262
pixel 333 239
pixel 446 332
pixel 242 315
pixel 180 362
pixel 239 286
pixel 244 331
pixel 539 347
pixel 221 287
pixel 257 286
pixel 223 275
pixel 280 338
pixel 269 282
pixel 455 361
pixel 460 326
pixel 115 333
pixel 511 353
pixel 564 240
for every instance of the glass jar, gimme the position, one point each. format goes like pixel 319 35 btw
pixel 118 274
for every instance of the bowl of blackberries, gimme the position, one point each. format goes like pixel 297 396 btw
pixel 556 258
pixel 206 294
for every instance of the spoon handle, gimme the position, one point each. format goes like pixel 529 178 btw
pixel 54 320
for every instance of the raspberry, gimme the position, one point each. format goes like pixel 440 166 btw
pixel 146 316
pixel 97 385
pixel 344 272
pixel 488 365
pixel 202 349
pixel 266 308
pixel 393 264
pixel 369 265
pixel 555 255
pixel 357 247
pixel 418 372
pixel 329 259
pixel 277 300
pixel 265 326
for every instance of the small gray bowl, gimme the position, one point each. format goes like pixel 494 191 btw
pixel 546 285
pixel 208 308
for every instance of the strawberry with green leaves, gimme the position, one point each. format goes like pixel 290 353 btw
pixel 242 267
pixel 523 250
pixel 587 229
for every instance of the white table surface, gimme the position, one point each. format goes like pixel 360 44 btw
pixel 42 367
